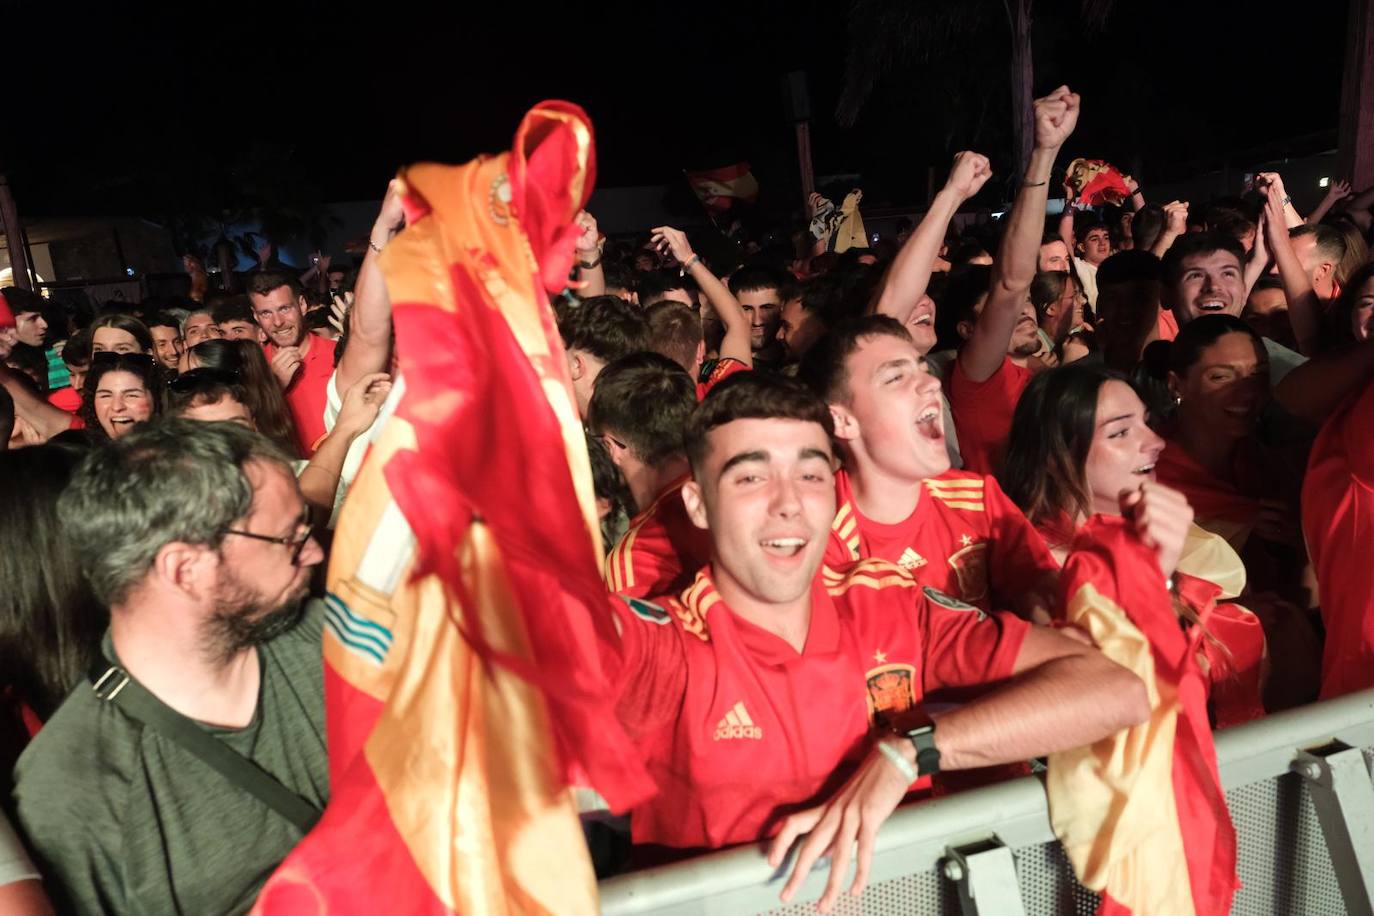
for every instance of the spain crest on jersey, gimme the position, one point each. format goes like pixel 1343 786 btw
pixel 889 694
pixel 970 565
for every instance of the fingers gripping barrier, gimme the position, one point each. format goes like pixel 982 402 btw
pixel 1298 786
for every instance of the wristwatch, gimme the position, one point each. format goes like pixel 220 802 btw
pixel 927 754
pixel 588 265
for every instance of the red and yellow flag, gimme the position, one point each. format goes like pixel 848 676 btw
pixel 462 677
pixel 718 189
pixel 1141 814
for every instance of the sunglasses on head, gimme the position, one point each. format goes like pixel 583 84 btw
pixel 194 378
pixel 107 357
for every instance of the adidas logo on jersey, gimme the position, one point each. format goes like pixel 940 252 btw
pixel 737 724
pixel 910 560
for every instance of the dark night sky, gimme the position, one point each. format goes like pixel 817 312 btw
pixel 128 109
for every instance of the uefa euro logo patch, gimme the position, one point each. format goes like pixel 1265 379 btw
pixel 953 604
pixel 647 610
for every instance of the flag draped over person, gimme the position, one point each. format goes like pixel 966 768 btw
pixel 1141 814
pixel 462 676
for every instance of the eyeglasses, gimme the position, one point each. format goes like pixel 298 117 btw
pixel 295 542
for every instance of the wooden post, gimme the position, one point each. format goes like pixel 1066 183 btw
pixel 14 237
pixel 808 174
pixel 1356 138
pixel 1022 84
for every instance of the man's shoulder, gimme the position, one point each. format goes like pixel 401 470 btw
pixel 303 641
pixel 858 580
pixel 76 770
pixel 961 492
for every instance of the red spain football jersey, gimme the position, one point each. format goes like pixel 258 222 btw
pixel 1338 521
pixel 966 538
pixel 661 550
pixel 714 373
pixel 307 395
pixel 982 412
pixel 740 730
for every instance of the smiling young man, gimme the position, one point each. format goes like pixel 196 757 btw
pixel 194 535
pixel 897 498
pixel 1204 274
pixel 770 702
pixel 301 361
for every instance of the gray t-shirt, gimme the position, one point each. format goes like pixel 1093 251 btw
pixel 124 820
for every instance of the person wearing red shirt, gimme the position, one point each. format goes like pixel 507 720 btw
pixel 1337 390
pixel 301 361
pixel 898 500
pixel 1000 329
pixel 678 331
pixel 638 408
pixel 765 701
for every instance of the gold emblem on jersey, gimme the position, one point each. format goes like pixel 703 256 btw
pixel 889 693
pixel 971 566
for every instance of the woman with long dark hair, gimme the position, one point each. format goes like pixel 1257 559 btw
pixel 1079 441
pixel 117 333
pixel 244 360
pixel 50 625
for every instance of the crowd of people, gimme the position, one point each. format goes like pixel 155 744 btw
pixel 838 496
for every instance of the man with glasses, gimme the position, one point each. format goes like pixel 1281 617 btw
pixel 639 409
pixel 195 536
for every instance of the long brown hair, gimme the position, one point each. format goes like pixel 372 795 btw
pixel 245 359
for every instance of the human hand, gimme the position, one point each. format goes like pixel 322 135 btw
pixel 968 174
pixel 814 202
pixel 673 241
pixel 1264 181
pixel 391 219
pixel 1161 517
pixel 192 265
pixel 320 262
pixel 263 250
pixel 1055 117
pixel 590 239
pixel 24 434
pixel 1339 190
pixel 854 813
pixel 1131 184
pixel 1259 250
pixel 285 363
pixel 1274 221
pixel 1176 217
pixel 361 403
pixel 338 311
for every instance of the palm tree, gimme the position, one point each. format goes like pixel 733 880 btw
pixel 887 34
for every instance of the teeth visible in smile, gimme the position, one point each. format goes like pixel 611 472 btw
pixel 784 542
pixel 1212 304
pixel 929 416
pixel 925 319
pixel 1145 469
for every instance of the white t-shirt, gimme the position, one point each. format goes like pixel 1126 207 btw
pixel 356 450
pixel 1087 278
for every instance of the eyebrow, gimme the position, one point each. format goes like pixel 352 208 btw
pixel 805 454
pixel 900 362
pixel 1124 416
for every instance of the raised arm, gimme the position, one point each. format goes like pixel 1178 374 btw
pixel 1019 255
pixel 1267 180
pixel 590 274
pixel 46 420
pixel 909 275
pixel 1137 199
pixel 1175 224
pixel 737 343
pixel 1337 192
pixel 1315 389
pixel 1304 311
pixel 369 323
pixel 319 480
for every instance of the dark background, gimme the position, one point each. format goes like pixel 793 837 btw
pixel 162 109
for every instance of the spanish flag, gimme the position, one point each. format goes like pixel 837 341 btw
pixel 718 189
pixel 1141 814
pixel 463 684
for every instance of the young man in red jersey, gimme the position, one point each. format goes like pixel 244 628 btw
pixel 898 499
pixel 301 361
pixel 992 368
pixel 768 702
pixel 1337 390
pixel 639 407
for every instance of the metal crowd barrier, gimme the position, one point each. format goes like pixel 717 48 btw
pixel 1297 783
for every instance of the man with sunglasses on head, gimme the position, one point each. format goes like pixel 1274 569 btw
pixel 195 536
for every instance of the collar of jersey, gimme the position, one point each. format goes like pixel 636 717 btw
pixel 822 638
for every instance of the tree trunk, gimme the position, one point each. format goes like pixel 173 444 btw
pixel 1356 139
pixel 14 236
pixel 1022 82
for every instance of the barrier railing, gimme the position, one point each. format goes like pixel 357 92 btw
pixel 1298 786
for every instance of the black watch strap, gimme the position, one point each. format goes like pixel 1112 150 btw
pixel 927 754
